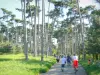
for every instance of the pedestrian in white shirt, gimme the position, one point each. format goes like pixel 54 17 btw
pixel 63 61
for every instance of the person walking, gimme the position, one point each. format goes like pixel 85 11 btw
pixel 75 62
pixel 57 58
pixel 68 60
pixel 63 62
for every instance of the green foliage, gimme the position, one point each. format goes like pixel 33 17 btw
pixel 93 44
pixel 57 3
pixel 59 33
pixel 54 51
pixel 92 69
pixel 43 70
pixel 16 65
pixel 5 47
pixel 3 27
pixel 32 8
pixel 16 49
pixel 1 37
pixel 97 12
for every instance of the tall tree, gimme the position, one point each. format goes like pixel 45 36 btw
pixel 94 35
pixel 35 31
pixel 42 30
pixel 25 31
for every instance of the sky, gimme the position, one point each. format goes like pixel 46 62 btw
pixel 12 4
pixel 84 3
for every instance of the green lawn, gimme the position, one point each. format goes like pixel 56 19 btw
pixel 91 69
pixel 16 65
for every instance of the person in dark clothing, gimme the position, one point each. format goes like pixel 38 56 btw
pixel 69 60
pixel 57 58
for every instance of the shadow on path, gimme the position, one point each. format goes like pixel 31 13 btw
pixel 68 70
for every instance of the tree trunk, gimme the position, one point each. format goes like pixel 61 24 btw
pixel 82 32
pixel 35 31
pixel 42 30
pixel 25 33
pixel 47 30
pixel 31 21
pixel 39 40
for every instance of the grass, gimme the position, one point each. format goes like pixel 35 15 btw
pixel 16 65
pixel 91 69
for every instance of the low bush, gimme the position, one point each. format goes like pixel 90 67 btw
pixel 43 69
pixel 5 47
pixel 17 49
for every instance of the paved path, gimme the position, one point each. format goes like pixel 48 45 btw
pixel 68 70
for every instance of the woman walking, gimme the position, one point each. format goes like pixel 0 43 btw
pixel 75 62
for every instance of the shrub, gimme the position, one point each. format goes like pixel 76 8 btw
pixel 43 70
pixel 16 49
pixel 5 47
pixel 48 65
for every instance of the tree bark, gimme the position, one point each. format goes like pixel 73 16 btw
pixel 25 33
pixel 42 30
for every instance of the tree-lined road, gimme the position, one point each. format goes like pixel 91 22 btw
pixel 68 70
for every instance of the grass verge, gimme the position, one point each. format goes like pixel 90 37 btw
pixel 91 69
pixel 16 65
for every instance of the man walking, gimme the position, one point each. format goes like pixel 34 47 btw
pixel 63 61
